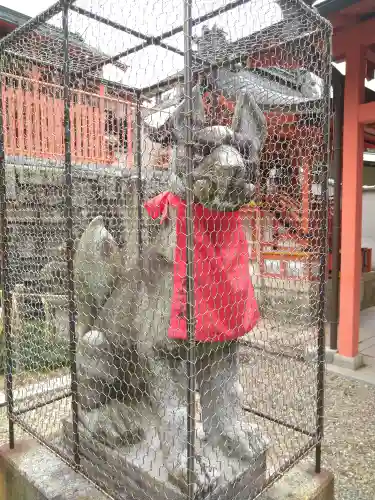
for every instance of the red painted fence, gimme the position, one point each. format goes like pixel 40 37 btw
pixel 101 126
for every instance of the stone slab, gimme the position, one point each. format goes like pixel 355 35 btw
pixel 138 472
pixel 330 355
pixel 36 472
pixel 43 474
pixel 302 483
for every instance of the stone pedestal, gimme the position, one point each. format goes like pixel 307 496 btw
pixel 137 471
pixel 31 472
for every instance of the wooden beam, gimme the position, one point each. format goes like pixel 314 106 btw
pixel 366 113
pixel 370 56
pixel 369 94
pixel 370 139
pixel 340 20
pixel 359 8
pixel 362 34
pixel 355 8
pixel 351 227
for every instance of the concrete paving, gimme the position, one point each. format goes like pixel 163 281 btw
pixel 366 350
pixel 367 335
pixel 41 388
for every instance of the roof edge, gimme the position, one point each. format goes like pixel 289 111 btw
pixel 332 6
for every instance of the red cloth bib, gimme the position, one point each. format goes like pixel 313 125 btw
pixel 225 304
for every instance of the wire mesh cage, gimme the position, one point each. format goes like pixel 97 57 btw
pixel 164 231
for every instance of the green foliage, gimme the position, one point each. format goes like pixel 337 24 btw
pixel 35 349
pixel 38 351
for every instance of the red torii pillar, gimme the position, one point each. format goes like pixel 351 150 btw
pixel 353 148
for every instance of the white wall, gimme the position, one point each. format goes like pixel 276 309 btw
pixel 368 220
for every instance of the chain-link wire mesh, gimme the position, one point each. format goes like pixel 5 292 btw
pixel 163 214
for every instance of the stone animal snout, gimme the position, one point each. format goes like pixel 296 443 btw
pixel 221 177
pixel 224 157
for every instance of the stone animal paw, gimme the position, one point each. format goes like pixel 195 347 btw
pixel 235 442
pixel 205 477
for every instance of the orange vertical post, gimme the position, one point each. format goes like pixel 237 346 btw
pixel 353 143
pixel 90 131
pixel 29 120
pixel 59 130
pixel 97 149
pixel 103 149
pixel 37 119
pixel 20 118
pixel 129 134
pixel 78 130
pixel 4 98
pixel 12 123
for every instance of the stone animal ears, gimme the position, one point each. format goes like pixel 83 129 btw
pixel 96 238
pixel 248 131
pixel 178 117
pixel 248 120
pixel 172 131
pixel 249 125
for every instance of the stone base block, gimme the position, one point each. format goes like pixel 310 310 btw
pixel 349 363
pixel 301 482
pixel 32 472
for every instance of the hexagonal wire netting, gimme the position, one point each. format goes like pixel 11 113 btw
pixel 164 233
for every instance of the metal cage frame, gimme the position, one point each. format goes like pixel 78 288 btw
pixel 193 66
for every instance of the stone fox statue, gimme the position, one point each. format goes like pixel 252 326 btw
pixel 132 312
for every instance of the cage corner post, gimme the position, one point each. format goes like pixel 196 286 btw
pixel 138 162
pixel 190 309
pixel 5 285
pixel 323 271
pixel 69 229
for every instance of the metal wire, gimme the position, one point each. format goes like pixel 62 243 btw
pixel 190 310
pixel 170 342
pixel 70 234
pixel 6 297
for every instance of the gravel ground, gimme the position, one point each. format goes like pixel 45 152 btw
pixel 349 445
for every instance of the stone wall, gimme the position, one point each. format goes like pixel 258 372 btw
pixel 35 212
pixel 37 266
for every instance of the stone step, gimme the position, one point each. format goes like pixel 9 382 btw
pixel 35 473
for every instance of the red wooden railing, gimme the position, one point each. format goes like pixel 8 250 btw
pixel 33 121
pixel 278 256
